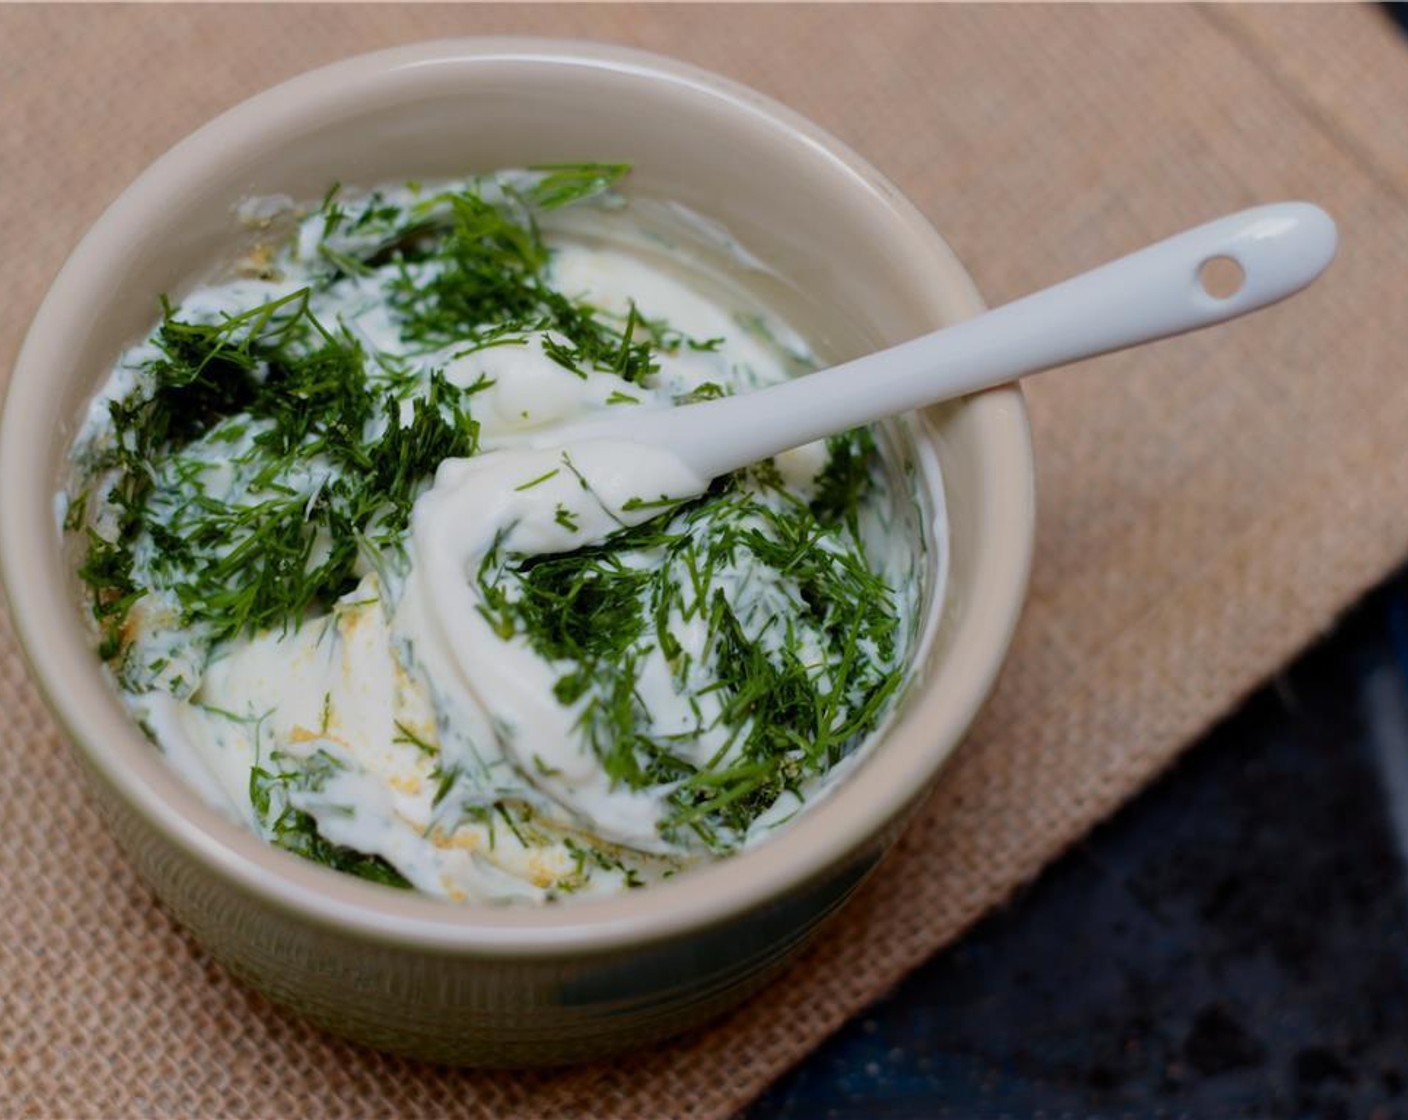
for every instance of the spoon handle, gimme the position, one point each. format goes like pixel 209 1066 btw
pixel 1147 295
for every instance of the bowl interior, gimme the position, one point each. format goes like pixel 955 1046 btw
pixel 858 268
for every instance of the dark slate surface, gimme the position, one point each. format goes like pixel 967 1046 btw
pixel 1233 944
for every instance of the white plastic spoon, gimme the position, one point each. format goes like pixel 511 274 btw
pixel 1150 294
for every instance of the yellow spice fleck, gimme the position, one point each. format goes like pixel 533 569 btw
pixel 539 873
pixel 463 839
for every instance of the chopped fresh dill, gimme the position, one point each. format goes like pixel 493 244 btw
pixel 787 700
pixel 566 183
pixel 708 391
pixel 566 518
pixel 405 735
pixel 264 451
pixel 267 454
pixel 296 831
pixel 532 482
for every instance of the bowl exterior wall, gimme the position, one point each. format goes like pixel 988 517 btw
pixel 469 1010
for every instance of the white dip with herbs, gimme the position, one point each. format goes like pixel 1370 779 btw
pixel 360 613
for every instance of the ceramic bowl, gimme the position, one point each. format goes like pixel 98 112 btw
pixel 565 982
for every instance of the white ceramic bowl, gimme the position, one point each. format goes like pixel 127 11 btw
pixel 410 973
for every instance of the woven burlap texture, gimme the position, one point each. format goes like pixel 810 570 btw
pixel 1207 505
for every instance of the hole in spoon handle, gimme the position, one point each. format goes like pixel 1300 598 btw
pixel 1221 277
pixel 1255 258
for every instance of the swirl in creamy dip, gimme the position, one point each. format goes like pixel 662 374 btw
pixel 364 609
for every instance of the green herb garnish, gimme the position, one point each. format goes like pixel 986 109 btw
pixel 296 831
pixel 795 688
pixel 267 458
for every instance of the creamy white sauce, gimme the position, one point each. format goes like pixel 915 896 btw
pixel 476 504
pixel 413 707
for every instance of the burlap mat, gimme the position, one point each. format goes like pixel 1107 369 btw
pixel 1207 505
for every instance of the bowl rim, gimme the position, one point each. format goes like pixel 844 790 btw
pixel 851 815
